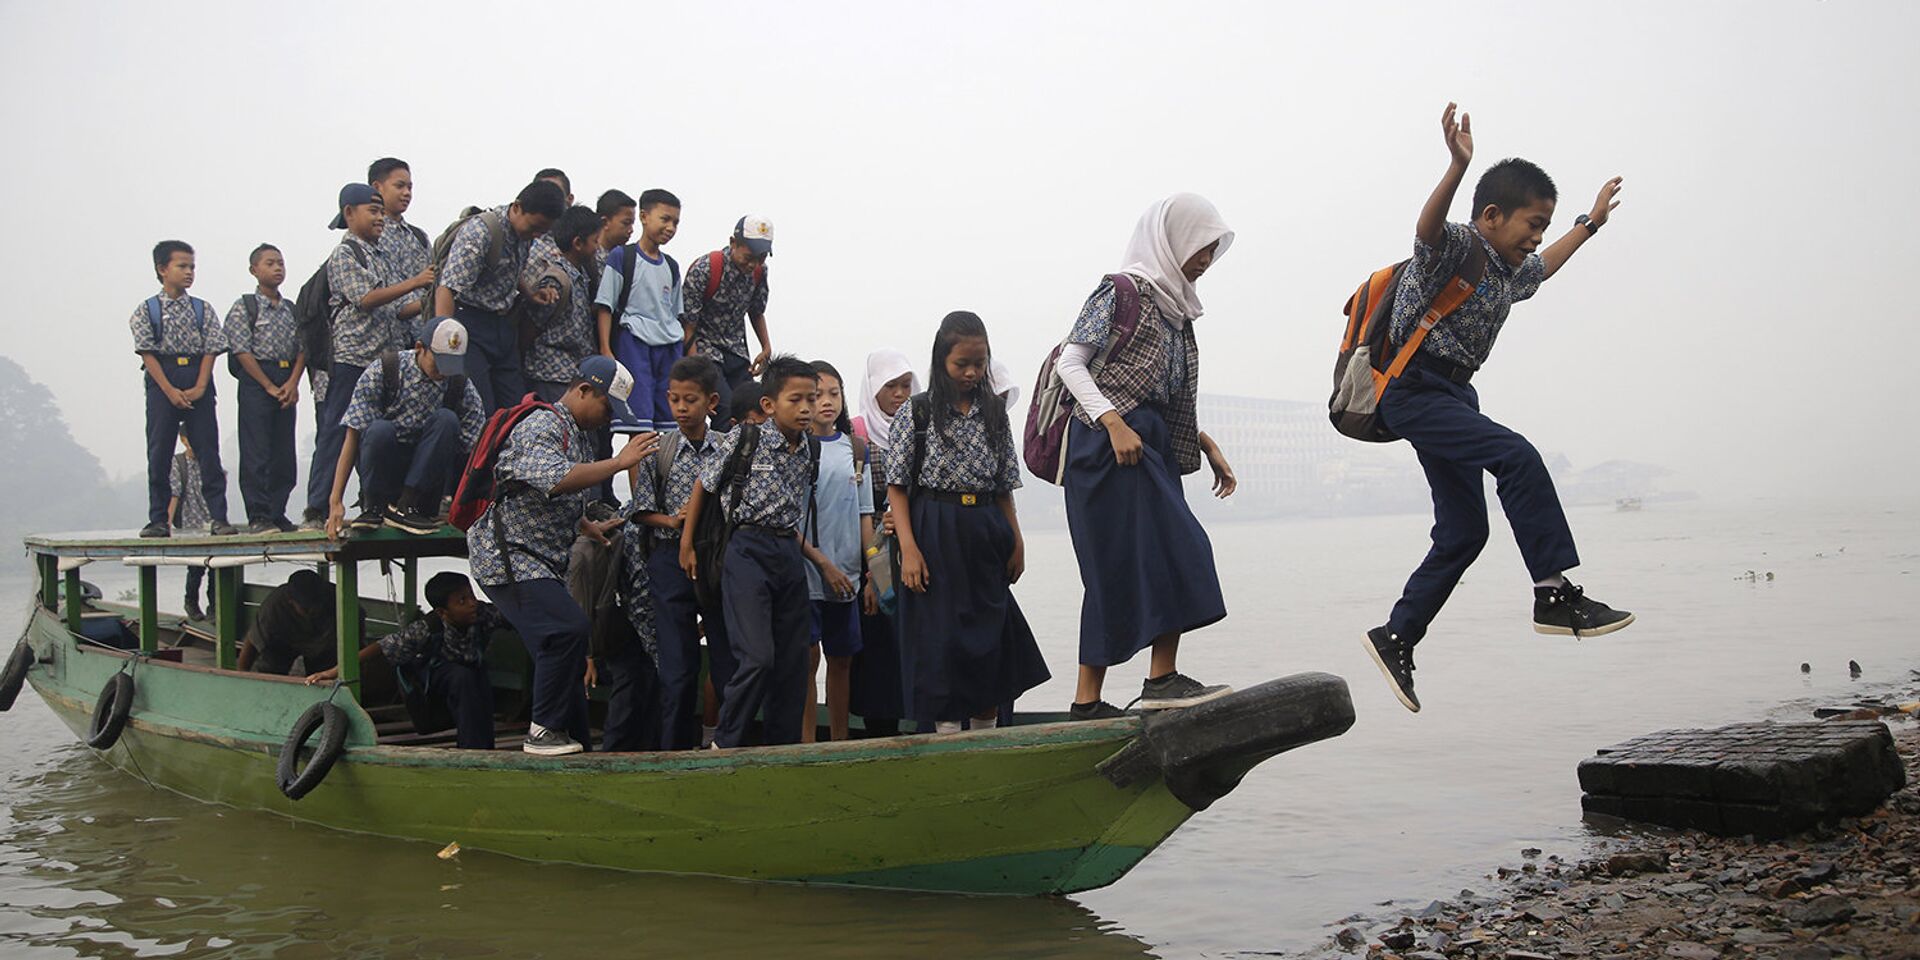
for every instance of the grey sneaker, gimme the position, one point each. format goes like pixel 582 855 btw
pixel 1097 710
pixel 1176 690
pixel 542 742
pixel 221 528
pixel 153 530
pixel 258 527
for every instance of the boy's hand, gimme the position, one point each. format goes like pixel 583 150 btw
pixel 177 398
pixel 639 447
pixel 546 296
pixel 192 395
pixel 886 523
pixel 336 518
pixel 836 581
pixel 1017 564
pixel 328 675
pixel 597 530
pixel 423 279
pixel 1224 482
pixel 759 363
pixel 290 393
pixel 1609 199
pixel 689 564
pixel 869 601
pixel 913 570
pixel 1459 136
pixel 593 675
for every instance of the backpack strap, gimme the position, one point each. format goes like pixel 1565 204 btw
pixel 359 254
pixel 421 235
pixel 1126 313
pixel 389 378
pixel 716 266
pixel 252 300
pixel 496 237
pixel 1449 299
pixel 813 487
pixel 922 408
pixel 153 318
pixel 628 255
pixel 673 266
pixel 662 469
pixel 733 472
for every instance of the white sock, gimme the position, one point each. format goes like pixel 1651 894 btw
pixel 706 735
pixel 1554 581
pixel 534 730
pixel 987 724
pixel 946 726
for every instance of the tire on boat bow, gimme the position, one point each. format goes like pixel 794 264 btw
pixel 14 675
pixel 331 722
pixel 1203 751
pixel 110 712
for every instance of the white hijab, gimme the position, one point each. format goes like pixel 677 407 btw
pixel 1168 234
pixel 1004 385
pixel 883 367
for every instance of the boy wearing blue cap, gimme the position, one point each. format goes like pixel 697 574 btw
pixel 724 290
pixel 361 328
pixel 482 278
pixel 519 548
pixel 177 336
pixel 408 426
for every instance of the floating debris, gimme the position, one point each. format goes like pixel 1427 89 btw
pixel 449 851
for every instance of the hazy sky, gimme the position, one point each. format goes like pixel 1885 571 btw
pixel 1741 319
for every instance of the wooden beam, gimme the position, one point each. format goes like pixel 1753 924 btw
pixel 228 583
pixel 149 609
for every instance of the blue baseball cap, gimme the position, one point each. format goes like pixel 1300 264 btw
pixel 607 375
pixel 353 195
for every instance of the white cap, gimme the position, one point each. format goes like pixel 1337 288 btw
pixel 449 346
pixel 757 232
pixel 622 386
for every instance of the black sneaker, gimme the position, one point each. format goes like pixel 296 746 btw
pixel 221 528
pixel 372 519
pixel 1565 611
pixel 313 519
pixel 152 530
pixel 193 609
pixel 1176 690
pixel 259 527
pixel 1097 710
pixel 282 524
pixel 411 520
pixel 1394 657
pixel 542 742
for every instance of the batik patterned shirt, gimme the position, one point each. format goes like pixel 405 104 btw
pixel 401 255
pixel 636 587
pixel 1094 328
pixel 416 400
pixel 358 334
pixel 468 274
pixel 1466 336
pixel 690 462
pixel 430 637
pixel 960 458
pixel 720 324
pixel 537 524
pixel 775 482
pixel 272 338
pixel 1158 366
pixel 182 331
pixel 566 336
pixel 192 511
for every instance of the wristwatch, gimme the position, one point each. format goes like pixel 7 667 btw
pixel 1585 221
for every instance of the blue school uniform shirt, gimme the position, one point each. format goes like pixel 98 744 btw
pixel 720 324
pixel 691 460
pixel 538 524
pixel 1466 336
pixel 358 334
pixel 415 400
pixel 420 641
pixel 467 274
pixel 961 458
pixel 273 338
pixel 654 308
pixel 180 333
pixel 775 491
pixel 840 499
pixel 566 336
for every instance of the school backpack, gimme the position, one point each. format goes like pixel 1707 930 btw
pixel 629 259
pixel 250 302
pixel 716 267
pixel 496 223
pixel 477 489
pixel 1368 362
pixel 1044 444
pixel 313 314
pixel 453 396
pixel 714 527
pixel 200 309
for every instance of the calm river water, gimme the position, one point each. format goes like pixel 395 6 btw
pixel 1403 808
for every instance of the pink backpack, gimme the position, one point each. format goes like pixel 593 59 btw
pixel 1044 446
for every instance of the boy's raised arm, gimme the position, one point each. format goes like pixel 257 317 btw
pixel 1557 253
pixel 1433 217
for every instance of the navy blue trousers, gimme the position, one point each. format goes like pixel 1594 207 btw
pixel 467 691
pixel 770 625
pixel 387 465
pixel 554 630
pixel 733 372
pixel 165 423
pixel 633 690
pixel 268 465
pixel 1457 443
pixel 493 357
pixel 649 364
pixel 675 609
pixel 328 434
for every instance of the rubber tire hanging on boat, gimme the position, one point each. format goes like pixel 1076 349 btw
pixel 14 675
pixel 331 721
pixel 110 712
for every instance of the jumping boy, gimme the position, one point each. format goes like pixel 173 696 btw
pixel 361 327
pixel 1435 409
pixel 638 310
pixel 263 352
pixel 712 321
pixel 408 428
pixel 660 496
pixel 763 574
pixel 479 284
pixel 444 658
pixel 520 546
pixel 177 336
pixel 565 326
pixel 403 250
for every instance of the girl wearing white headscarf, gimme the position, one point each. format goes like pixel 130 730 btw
pixel 1145 562
pixel 878 684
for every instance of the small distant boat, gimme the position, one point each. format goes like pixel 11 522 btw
pixel 1039 807
pixel 1626 504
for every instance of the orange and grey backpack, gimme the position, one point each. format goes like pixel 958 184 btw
pixel 1368 362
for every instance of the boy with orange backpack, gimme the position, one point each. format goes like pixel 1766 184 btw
pixel 724 290
pixel 1448 304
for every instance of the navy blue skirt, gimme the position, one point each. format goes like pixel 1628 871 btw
pixel 966 649
pixel 1145 562
pixel 878 688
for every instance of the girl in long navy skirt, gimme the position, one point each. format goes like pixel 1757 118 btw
pixel 1146 564
pixel 951 473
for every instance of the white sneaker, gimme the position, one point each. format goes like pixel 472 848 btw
pixel 542 742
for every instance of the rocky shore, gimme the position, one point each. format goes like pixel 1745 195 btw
pixel 1845 890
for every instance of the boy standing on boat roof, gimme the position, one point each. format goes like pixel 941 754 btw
pixel 1433 406
pixel 479 285
pixel 361 327
pixel 717 309
pixel 520 546
pixel 409 425
pixel 177 336
pixel 443 656
pixel 564 328
pixel 263 352
pixel 637 310
pixel 403 250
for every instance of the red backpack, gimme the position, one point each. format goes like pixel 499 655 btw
pixel 717 264
pixel 477 487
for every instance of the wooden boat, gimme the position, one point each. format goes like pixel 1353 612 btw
pixel 1039 807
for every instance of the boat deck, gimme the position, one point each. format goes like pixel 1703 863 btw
pixel 297 547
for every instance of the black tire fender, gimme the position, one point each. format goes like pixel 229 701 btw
pixel 1203 751
pixel 110 712
pixel 331 722
pixel 14 675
